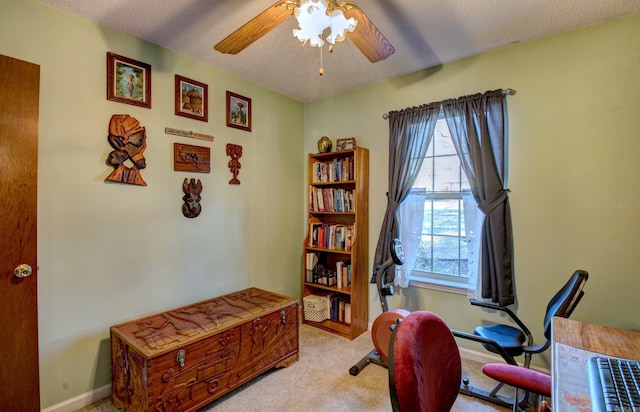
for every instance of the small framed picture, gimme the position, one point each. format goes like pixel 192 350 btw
pixel 192 99
pixel 128 81
pixel 348 143
pixel 238 111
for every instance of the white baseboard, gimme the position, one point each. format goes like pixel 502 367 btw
pixel 80 401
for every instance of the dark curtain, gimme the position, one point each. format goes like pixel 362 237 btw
pixel 410 132
pixel 477 128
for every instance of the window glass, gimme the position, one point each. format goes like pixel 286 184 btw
pixel 442 253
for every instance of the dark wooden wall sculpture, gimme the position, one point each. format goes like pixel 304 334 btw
pixel 235 151
pixel 192 190
pixel 128 140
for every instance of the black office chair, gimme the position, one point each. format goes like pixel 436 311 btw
pixel 510 342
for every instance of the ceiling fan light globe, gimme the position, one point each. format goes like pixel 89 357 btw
pixel 339 26
pixel 313 18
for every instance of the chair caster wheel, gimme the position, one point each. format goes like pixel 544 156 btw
pixel 354 371
pixel 465 381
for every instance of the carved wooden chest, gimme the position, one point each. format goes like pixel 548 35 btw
pixel 183 359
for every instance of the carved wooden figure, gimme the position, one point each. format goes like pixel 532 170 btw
pixel 235 151
pixel 128 140
pixel 192 190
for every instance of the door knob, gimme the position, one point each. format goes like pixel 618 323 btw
pixel 22 271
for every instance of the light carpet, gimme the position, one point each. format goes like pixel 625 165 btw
pixel 320 381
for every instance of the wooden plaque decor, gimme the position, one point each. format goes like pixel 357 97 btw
pixel 192 190
pixel 235 151
pixel 128 140
pixel 188 158
pixel 188 133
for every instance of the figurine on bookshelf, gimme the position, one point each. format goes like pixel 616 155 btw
pixel 324 144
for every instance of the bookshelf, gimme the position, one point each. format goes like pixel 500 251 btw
pixel 336 248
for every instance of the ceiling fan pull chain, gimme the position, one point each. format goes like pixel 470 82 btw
pixel 321 69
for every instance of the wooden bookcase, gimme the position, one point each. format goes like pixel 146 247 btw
pixel 345 213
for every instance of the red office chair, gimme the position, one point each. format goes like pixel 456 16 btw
pixel 424 364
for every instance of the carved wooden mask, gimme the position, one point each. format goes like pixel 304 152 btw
pixel 192 190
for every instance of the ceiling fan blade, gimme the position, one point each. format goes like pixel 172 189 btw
pixel 368 38
pixel 257 27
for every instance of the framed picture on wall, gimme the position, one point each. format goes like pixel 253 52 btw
pixel 128 81
pixel 238 111
pixel 192 99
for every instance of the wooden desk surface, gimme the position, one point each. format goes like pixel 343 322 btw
pixel 596 338
pixel 570 338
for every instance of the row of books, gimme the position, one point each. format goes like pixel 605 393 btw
pixel 330 200
pixel 336 170
pixel 331 236
pixel 339 307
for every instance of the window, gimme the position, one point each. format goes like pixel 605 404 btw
pixel 442 255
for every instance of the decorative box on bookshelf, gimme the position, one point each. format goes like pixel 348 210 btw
pixel 335 252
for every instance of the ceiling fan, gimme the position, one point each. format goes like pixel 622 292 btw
pixel 314 16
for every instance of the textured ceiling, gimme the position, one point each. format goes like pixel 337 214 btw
pixel 425 33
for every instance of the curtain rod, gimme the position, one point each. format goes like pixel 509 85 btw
pixel 505 92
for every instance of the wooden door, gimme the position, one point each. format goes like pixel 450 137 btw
pixel 19 100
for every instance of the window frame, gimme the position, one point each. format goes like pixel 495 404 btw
pixel 431 280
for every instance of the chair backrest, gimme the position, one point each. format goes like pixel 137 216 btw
pixel 566 300
pixel 424 364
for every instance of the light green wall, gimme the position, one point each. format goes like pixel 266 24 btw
pixel 109 252
pixel 574 172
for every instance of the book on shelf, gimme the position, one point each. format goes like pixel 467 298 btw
pixel 339 275
pixel 314 233
pixel 320 197
pixel 346 276
pixel 328 200
pixel 325 172
pixel 321 235
pixel 347 312
pixel 310 265
pixel 348 242
pixel 334 306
